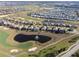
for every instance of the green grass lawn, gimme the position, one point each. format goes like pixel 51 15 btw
pixel 32 18
pixel 22 55
pixel 74 39
pixel 26 45
pixel 3 53
pixel 55 49
pixel 3 37
pixel 52 49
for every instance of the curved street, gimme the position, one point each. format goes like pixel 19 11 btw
pixel 70 51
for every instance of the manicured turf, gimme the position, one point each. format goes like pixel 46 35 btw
pixel 22 55
pixel 26 45
pixel 32 18
pixel 3 37
pixel 55 49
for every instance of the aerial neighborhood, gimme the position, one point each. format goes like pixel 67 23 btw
pixel 47 25
pixel 39 29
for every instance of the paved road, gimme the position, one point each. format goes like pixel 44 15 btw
pixel 71 50
pixel 59 41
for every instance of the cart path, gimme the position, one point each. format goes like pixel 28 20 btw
pixel 59 41
pixel 71 50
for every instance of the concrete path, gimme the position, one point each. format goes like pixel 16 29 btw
pixel 70 51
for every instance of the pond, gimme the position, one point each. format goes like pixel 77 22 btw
pixel 24 38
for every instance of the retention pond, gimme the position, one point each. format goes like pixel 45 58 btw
pixel 23 38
